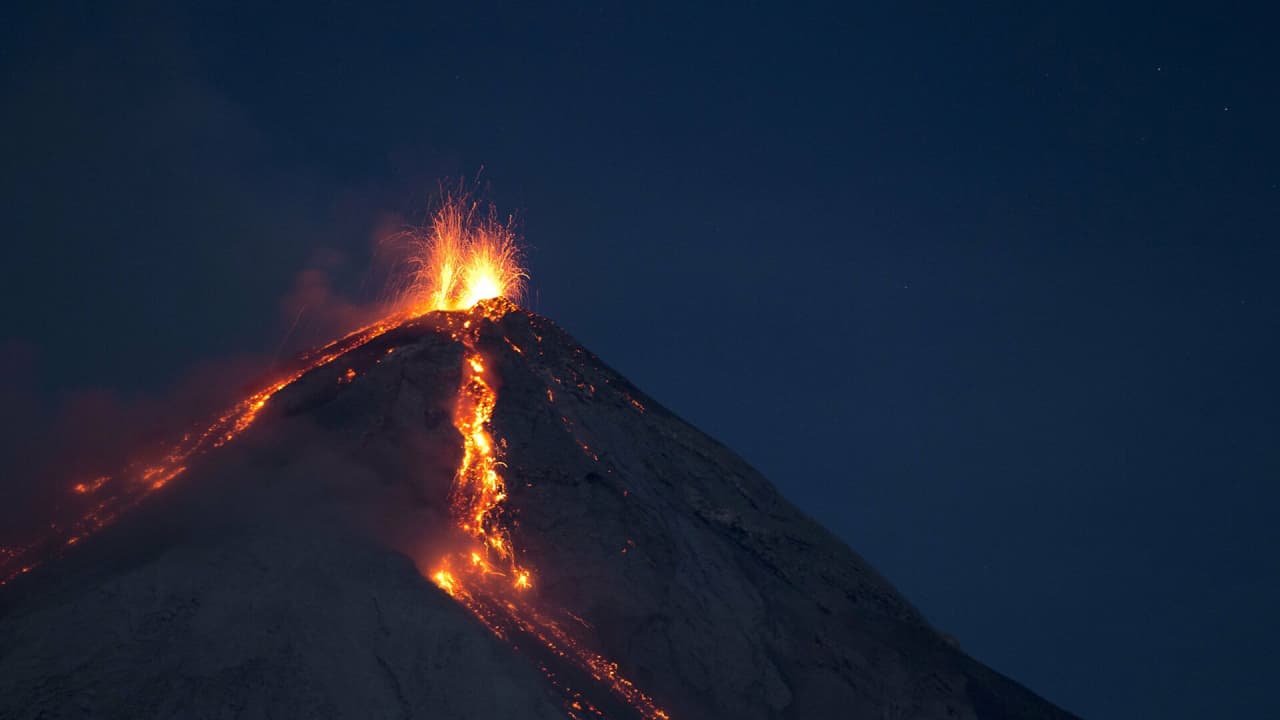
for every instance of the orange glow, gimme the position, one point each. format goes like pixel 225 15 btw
pixel 444 579
pixel 510 617
pixel 479 488
pixel 92 486
pixel 465 256
pixel 141 480
pixel 159 476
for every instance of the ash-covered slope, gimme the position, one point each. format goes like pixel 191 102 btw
pixel 284 575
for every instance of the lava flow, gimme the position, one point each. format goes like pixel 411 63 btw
pixel 477 270
pixel 110 496
pixel 487 579
pixel 466 264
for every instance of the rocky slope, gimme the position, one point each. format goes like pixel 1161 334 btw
pixel 283 576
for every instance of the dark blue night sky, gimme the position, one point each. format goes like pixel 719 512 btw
pixel 990 292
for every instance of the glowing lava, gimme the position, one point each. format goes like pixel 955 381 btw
pixel 466 255
pixel 488 580
pixel 479 489
pixel 110 496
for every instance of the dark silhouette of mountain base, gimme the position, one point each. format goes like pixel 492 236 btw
pixel 284 575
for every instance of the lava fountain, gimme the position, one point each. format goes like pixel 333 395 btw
pixel 466 254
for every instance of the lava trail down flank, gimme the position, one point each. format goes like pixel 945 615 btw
pixel 109 496
pixel 486 579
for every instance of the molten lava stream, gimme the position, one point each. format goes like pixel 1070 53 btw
pixel 112 496
pixel 488 581
pixel 570 667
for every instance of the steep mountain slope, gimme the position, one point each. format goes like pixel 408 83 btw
pixel 271 580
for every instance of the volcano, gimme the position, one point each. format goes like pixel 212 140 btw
pixel 464 514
